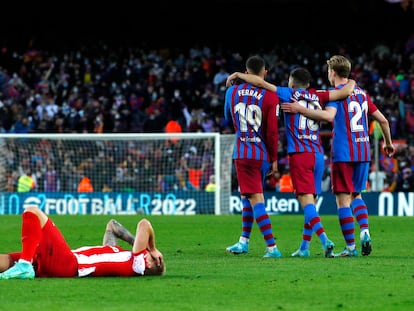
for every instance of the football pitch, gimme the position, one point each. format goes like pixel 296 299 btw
pixel 202 276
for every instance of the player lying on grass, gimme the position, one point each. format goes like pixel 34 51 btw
pixel 45 252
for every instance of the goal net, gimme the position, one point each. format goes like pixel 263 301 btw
pixel 157 174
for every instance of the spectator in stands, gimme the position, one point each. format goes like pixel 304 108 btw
pixel 211 186
pixel 70 176
pixel 85 184
pixel 26 182
pixel 219 79
pixel 168 160
pixel 207 158
pixel 173 127
pixel 285 182
pixel 377 179
pixel 181 181
pixel 22 125
pixel 193 165
pixel 405 180
pixel 51 179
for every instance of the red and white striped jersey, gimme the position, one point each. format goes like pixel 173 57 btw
pixel 109 261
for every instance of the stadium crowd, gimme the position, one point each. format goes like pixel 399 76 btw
pixel 105 89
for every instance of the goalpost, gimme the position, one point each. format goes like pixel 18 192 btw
pixel 157 174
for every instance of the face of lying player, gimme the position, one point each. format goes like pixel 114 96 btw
pixel 152 268
pixel 150 262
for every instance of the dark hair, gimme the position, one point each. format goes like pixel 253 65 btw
pixel 255 64
pixel 301 76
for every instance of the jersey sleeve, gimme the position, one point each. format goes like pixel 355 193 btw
pixel 371 106
pixel 272 128
pixel 228 107
pixel 323 96
pixel 138 264
pixel 284 94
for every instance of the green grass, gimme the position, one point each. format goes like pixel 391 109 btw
pixel 202 276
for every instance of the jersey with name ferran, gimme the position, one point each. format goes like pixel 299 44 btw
pixel 254 114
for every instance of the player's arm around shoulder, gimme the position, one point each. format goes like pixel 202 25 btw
pixel 343 92
pixel 327 114
pixel 231 78
pixel 252 79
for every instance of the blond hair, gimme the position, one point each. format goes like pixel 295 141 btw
pixel 340 64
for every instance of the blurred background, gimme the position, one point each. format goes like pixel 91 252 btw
pixel 241 23
pixel 152 66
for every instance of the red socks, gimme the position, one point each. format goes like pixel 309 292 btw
pixel 31 235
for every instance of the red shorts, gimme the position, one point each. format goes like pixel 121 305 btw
pixel 349 177
pixel 306 170
pixel 250 175
pixel 53 256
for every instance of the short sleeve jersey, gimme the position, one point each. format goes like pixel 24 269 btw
pixel 253 112
pixel 109 261
pixel 350 141
pixel 302 133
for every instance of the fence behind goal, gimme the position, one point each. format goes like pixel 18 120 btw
pixel 130 173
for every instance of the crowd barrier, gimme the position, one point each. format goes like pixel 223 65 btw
pixel 189 203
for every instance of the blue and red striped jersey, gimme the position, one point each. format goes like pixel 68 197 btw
pixel 350 141
pixel 253 112
pixel 302 133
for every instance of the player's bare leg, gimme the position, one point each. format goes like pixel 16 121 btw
pixel 5 262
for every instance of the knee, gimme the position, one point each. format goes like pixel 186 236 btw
pixel 32 208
